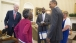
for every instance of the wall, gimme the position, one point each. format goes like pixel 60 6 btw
pixel 63 4
pixel 67 5
pixel 12 1
pixel 0 13
pixel 75 8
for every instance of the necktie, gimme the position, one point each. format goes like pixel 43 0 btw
pixel 14 16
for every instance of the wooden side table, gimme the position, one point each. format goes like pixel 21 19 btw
pixel 5 38
pixel 9 39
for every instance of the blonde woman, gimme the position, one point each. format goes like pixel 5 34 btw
pixel 65 27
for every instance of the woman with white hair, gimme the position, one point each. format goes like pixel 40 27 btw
pixel 65 27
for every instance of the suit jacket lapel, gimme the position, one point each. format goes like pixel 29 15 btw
pixel 12 15
pixel 41 17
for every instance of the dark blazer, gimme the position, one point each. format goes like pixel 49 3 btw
pixel 55 31
pixel 47 21
pixel 9 19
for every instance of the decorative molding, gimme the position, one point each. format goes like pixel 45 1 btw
pixel 28 5
pixel 7 2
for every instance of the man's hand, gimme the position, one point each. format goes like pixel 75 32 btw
pixel 44 23
pixel 47 40
pixel 6 26
pixel 63 30
pixel 41 24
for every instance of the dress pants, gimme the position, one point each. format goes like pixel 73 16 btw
pixel 10 33
pixel 41 29
pixel 55 41
pixel 39 40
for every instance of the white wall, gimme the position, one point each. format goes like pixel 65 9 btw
pixel 12 1
pixel 67 5
pixel 0 13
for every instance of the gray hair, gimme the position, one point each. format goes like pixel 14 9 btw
pixel 26 13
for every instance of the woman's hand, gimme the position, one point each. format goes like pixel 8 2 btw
pixel 6 26
pixel 66 28
pixel 62 30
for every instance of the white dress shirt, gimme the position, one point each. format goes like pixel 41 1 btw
pixel 14 12
pixel 55 6
pixel 43 16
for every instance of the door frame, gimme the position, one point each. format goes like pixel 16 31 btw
pixel 4 2
pixel 75 8
pixel 7 2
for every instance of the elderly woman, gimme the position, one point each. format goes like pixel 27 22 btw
pixel 65 27
pixel 23 30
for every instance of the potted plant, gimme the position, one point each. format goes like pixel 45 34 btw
pixel 72 15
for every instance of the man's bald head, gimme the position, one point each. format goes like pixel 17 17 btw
pixel 16 7
pixel 43 10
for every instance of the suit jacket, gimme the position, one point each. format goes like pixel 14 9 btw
pixel 47 21
pixel 23 31
pixel 10 21
pixel 55 31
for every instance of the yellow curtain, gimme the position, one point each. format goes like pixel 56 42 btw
pixel 75 8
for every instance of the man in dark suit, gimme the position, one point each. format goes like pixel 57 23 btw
pixel 43 22
pixel 55 32
pixel 12 19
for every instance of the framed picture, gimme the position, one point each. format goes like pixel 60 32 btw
pixel 38 10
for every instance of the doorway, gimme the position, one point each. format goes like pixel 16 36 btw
pixel 5 6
